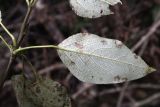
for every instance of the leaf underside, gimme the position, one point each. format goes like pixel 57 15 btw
pixel 92 8
pixel 98 60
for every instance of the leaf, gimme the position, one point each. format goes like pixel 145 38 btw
pixel 42 93
pixel 18 85
pixel 98 60
pixel 92 8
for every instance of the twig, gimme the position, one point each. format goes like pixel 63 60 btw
pixel 148 100
pixel 143 48
pixel 25 23
pixel 6 72
pixel 51 68
pixel 132 100
pixel 24 27
pixel 110 91
pixel 42 71
pixel 19 41
pixel 4 41
pixel 122 94
pixel 151 31
pixel 67 79
pixel 30 66
pixel 8 32
pixel 85 87
pixel 133 86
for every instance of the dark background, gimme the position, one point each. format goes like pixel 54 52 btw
pixel 53 20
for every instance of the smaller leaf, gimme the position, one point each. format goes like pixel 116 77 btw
pixel 42 93
pixel 92 8
pixel 18 85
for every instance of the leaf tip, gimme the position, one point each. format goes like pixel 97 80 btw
pixel 150 70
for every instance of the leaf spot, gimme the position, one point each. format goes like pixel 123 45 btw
pixel 72 63
pixel 135 56
pixel 101 11
pixel 118 43
pixel 104 42
pixel 78 45
pixel 85 33
pixel 117 78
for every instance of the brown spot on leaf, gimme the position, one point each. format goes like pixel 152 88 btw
pixel 85 33
pixel 101 11
pixel 72 63
pixel 117 78
pixel 78 45
pixel 104 42
pixel 135 56
pixel 119 44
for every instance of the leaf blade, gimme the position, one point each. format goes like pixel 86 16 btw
pixel 98 60
pixel 92 8
pixel 42 92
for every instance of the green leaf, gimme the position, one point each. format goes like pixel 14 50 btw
pixel 99 60
pixel 42 93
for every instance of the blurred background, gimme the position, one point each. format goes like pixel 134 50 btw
pixel 53 20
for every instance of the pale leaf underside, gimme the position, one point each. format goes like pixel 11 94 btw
pixel 92 8
pixel 99 60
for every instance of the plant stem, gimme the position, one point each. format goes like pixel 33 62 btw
pixel 36 47
pixel 25 23
pixel 2 79
pixel 20 38
pixel 15 52
pixel 27 2
pixel 24 27
pixel 7 31
pixel 31 66
pixel 6 43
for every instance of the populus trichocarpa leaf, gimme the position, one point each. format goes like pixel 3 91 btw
pixel 92 8
pixel 99 60
pixel 40 93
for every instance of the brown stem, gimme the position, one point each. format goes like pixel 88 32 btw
pixel 24 26
pixel 25 23
pixel 19 41
pixel 6 72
